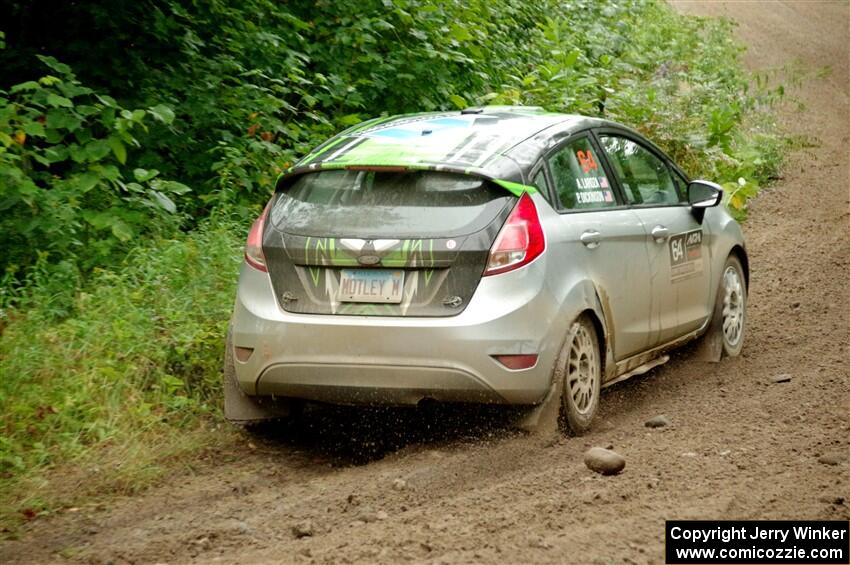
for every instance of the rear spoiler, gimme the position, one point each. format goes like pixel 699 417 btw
pixel 515 188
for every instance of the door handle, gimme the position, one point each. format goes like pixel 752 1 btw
pixel 660 233
pixel 591 238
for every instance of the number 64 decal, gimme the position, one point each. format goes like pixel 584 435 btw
pixel 685 254
pixel 677 252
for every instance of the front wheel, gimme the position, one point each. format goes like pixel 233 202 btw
pixel 732 307
pixel 582 377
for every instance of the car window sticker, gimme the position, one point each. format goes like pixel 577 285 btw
pixel 593 187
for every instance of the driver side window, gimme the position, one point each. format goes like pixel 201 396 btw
pixel 645 178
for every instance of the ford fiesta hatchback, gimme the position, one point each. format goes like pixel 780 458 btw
pixel 495 255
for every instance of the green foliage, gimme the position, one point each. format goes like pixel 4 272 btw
pixel 64 191
pixel 142 353
pixel 677 80
pixel 255 83
pixel 295 75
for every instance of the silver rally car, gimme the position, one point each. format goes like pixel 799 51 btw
pixel 500 255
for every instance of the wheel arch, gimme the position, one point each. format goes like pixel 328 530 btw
pixel 741 253
pixel 601 334
pixel 583 296
pixel 596 305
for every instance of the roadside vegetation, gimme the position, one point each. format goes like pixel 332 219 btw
pixel 132 164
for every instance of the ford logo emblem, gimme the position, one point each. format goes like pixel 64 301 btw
pixel 368 259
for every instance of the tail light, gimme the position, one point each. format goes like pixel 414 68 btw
pixel 254 246
pixel 520 241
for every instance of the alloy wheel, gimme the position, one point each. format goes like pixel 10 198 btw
pixel 582 371
pixel 733 306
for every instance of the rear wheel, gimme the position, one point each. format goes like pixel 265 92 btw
pixel 582 377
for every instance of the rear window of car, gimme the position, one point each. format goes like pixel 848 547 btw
pixel 382 204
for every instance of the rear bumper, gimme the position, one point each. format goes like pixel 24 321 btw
pixel 373 384
pixel 382 360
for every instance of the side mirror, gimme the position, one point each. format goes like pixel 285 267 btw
pixel 704 194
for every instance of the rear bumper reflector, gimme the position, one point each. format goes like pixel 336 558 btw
pixel 243 353
pixel 517 362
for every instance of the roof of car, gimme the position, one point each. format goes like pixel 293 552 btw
pixel 486 141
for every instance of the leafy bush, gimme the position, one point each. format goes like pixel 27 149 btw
pixel 256 83
pixel 63 187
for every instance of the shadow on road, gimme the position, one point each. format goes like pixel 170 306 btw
pixel 345 436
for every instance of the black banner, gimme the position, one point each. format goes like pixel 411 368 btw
pixel 758 542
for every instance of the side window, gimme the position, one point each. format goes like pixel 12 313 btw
pixel 682 186
pixel 644 177
pixel 580 181
pixel 540 182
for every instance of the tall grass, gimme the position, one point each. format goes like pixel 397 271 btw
pixel 136 370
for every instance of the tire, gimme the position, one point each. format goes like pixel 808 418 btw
pixel 582 377
pixel 730 318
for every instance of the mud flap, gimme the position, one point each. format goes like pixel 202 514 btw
pixel 710 347
pixel 239 408
pixel 543 418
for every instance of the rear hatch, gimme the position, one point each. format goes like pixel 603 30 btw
pixel 382 242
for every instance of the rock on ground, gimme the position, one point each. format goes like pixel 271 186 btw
pixel 659 421
pixel 604 461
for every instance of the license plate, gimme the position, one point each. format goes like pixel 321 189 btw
pixel 371 285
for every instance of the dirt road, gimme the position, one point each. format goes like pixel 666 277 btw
pixel 387 488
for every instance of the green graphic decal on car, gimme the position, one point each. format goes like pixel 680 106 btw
pixel 515 187
pixel 324 251
pixel 321 252
pixel 344 136
pixel 411 254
